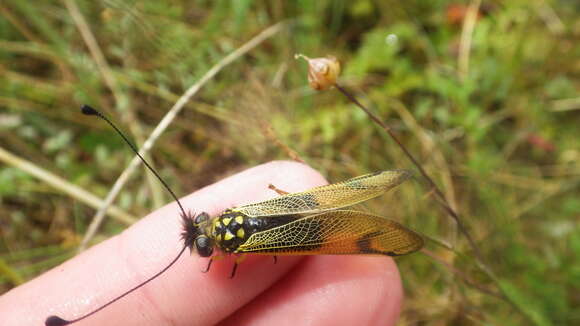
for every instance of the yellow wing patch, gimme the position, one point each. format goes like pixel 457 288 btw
pixel 333 196
pixel 335 232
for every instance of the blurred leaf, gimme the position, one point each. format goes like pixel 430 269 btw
pixel 526 305
pixel 9 273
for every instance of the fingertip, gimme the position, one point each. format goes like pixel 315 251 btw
pixel 101 273
pixel 330 290
pixel 289 176
pixel 294 170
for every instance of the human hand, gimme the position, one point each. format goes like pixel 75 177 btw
pixel 313 290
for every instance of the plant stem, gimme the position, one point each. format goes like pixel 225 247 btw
pixel 445 204
pixel 441 198
pixel 168 118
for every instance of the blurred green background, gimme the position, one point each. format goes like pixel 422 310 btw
pixel 484 93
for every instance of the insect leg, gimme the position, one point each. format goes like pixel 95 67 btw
pixel 208 266
pixel 234 270
pixel 238 260
pixel 279 191
pixel 211 259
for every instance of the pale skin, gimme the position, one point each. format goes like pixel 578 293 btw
pixel 313 290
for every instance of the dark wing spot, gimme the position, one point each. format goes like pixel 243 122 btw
pixel 364 244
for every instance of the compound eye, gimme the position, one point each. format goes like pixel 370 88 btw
pixel 204 246
pixel 201 218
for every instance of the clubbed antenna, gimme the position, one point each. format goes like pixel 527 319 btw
pixel 58 321
pixel 87 110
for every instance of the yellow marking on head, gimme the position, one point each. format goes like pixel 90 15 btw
pixel 228 236
pixel 240 219
pixel 218 238
pixel 227 220
pixel 241 233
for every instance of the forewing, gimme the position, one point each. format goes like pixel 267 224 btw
pixel 337 232
pixel 333 196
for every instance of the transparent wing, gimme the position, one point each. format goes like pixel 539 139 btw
pixel 333 196
pixel 337 232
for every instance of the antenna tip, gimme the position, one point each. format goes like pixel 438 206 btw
pixel 85 109
pixel 56 321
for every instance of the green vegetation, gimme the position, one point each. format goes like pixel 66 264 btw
pixel 492 112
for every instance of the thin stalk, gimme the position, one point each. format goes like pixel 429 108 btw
pixel 168 118
pixel 444 203
pixel 121 98
pixel 441 198
pixel 64 186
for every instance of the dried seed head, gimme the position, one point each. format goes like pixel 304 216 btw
pixel 322 72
